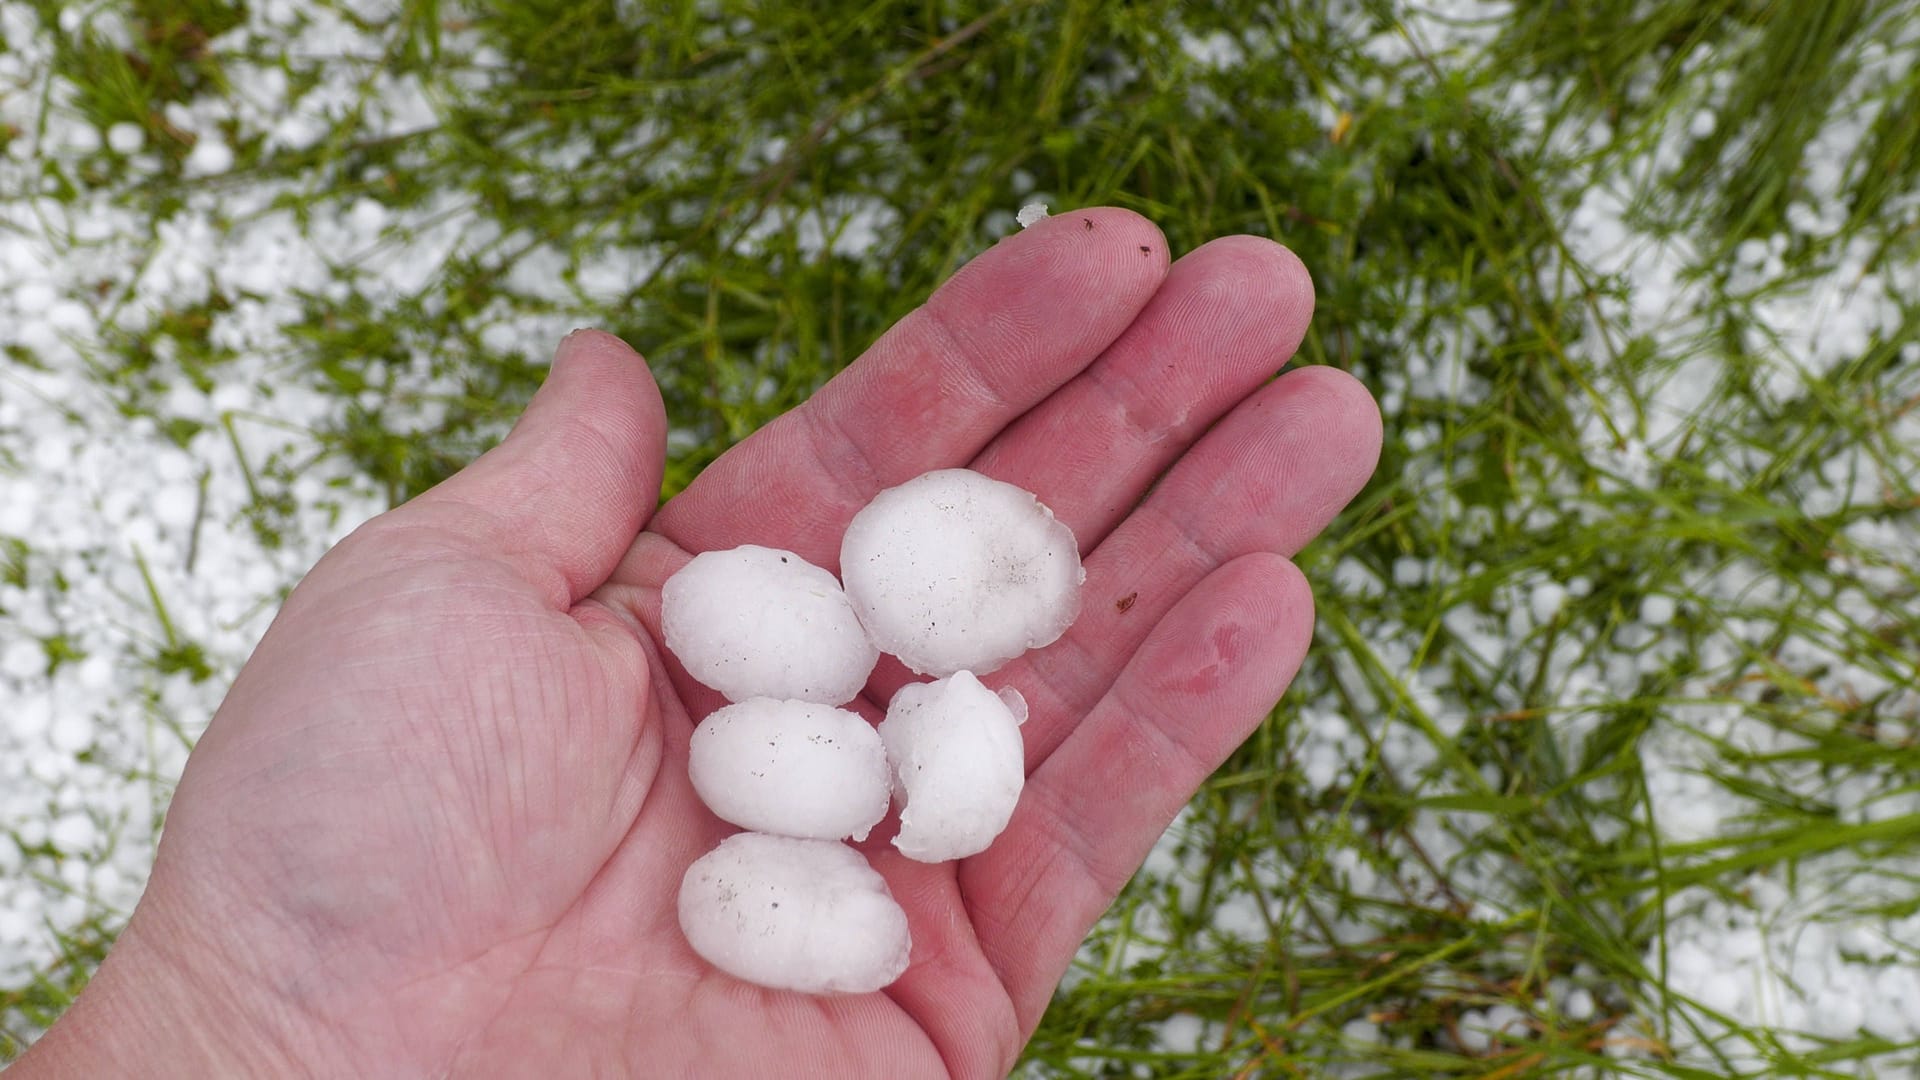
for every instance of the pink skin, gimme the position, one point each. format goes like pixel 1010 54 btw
pixel 439 824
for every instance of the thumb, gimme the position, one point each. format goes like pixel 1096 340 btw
pixel 566 493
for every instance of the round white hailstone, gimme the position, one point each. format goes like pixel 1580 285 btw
pixel 793 768
pixel 23 659
pixel 759 622
pixel 82 139
pixel 71 733
pixel 1657 609
pixel 15 926
pixel 126 138
pixel 72 833
pixel 958 764
pixel 208 157
pixel 953 571
pixel 807 915
pixel 176 505
pixel 1471 1033
pixel 1546 600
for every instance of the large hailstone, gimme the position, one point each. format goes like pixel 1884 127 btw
pixel 791 767
pixel 958 765
pixel 954 571
pixel 760 622
pixel 807 915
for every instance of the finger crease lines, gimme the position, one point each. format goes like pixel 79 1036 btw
pixel 972 364
pixel 850 467
pixel 1142 433
pixel 1156 724
pixel 1049 666
pixel 1205 560
pixel 1073 843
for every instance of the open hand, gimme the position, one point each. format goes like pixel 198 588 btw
pixel 439 824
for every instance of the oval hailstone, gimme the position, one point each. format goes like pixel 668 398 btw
pixel 794 768
pixel 807 915
pixel 955 571
pixel 760 622
pixel 958 764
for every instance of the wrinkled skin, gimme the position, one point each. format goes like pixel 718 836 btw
pixel 439 823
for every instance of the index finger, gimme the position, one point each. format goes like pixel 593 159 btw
pixel 992 342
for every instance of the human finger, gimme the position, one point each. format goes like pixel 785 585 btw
pixel 1229 315
pixel 1000 336
pixel 1205 677
pixel 1268 477
pixel 564 495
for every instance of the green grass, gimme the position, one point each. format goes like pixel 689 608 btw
pixel 1434 222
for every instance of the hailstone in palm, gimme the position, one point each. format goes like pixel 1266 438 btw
pixel 791 767
pixel 761 622
pixel 955 571
pixel 958 765
pixel 790 914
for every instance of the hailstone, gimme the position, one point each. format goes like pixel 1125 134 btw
pixel 954 571
pixel 761 622
pixel 807 915
pixel 958 765
pixel 791 767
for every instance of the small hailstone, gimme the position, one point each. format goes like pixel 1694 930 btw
pixel 954 571
pixel 208 157
pixel 1030 213
pixel 760 622
pixel 23 659
pixel 81 139
pixel 72 833
pixel 958 765
pixel 791 767
pixel 1547 599
pixel 1657 609
pixel 71 732
pixel 807 915
pixel 126 138
pixel 1471 1032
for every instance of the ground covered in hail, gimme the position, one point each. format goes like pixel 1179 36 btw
pixel 1604 763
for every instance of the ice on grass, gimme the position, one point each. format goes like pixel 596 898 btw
pixel 790 914
pixel 126 138
pixel 958 765
pixel 760 622
pixel 1657 609
pixel 794 768
pixel 954 571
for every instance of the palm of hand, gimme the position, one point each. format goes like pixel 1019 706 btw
pixel 443 815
